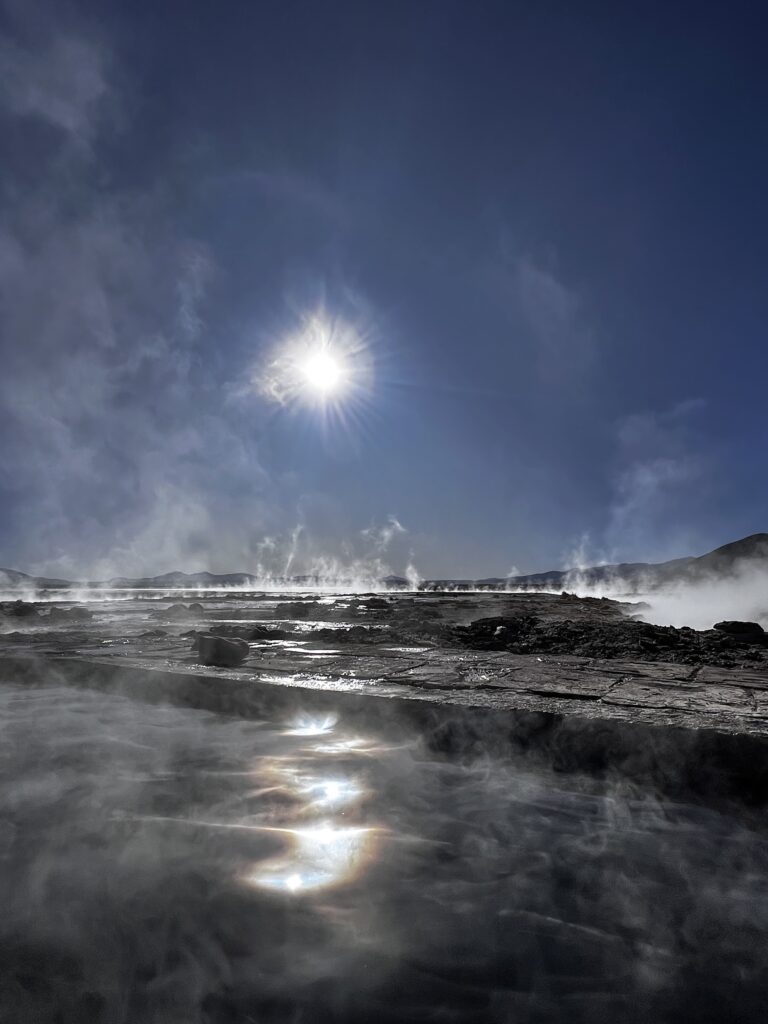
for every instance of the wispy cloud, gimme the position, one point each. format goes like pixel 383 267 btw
pixel 548 315
pixel 661 469
pixel 555 315
pixel 60 80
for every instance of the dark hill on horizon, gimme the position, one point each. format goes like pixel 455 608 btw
pixel 724 561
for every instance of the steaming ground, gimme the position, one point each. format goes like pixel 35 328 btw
pixel 701 605
pixel 376 880
pixel 730 582
pixel 698 605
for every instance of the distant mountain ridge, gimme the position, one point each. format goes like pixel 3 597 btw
pixel 12 577
pixel 724 561
pixel 166 580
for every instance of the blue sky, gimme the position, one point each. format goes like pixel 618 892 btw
pixel 546 223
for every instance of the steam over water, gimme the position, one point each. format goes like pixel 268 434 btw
pixel 168 865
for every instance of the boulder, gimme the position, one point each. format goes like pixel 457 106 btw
pixel 221 651
pixel 179 612
pixel 737 628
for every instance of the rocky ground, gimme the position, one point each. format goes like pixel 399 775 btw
pixel 532 624
pixel 523 623
pixel 436 619
pixel 554 653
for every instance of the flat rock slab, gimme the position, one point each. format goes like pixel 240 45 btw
pixel 732 701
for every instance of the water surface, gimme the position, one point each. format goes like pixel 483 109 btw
pixel 175 866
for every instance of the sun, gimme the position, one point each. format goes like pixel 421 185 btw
pixel 326 364
pixel 323 372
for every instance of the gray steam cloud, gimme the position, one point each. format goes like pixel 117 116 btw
pixel 661 473
pixel 742 594
pixel 101 328
pixel 128 447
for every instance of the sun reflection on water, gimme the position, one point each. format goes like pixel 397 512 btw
pixel 309 725
pixel 320 856
pixel 316 790
pixel 332 792
pixel 353 745
pixel 319 852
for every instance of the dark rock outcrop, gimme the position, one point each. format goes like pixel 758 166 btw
pixel 180 611
pixel 22 609
pixel 220 651
pixel 623 639
pixel 738 628
pixel 76 614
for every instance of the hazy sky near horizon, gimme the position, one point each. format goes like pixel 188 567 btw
pixel 545 224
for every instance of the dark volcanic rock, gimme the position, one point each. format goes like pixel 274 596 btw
pixel 218 650
pixel 69 615
pixel 180 611
pixel 367 605
pixel 737 628
pixel 624 639
pixel 48 615
pixel 22 609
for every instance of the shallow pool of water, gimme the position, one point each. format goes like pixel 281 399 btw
pixel 168 865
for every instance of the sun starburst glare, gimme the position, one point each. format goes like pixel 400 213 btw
pixel 326 363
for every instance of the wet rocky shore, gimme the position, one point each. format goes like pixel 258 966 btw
pixel 549 653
